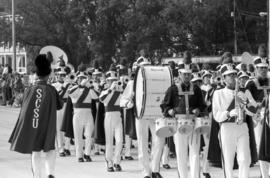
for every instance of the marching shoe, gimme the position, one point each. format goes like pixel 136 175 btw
pixel 147 177
pixel 129 158
pixel 206 175
pixel 110 169
pixel 67 152
pixel 80 160
pixel 62 154
pixel 87 158
pixel 166 166
pixel 51 176
pixel 117 167
pixel 156 175
pixel 71 141
pixel 97 153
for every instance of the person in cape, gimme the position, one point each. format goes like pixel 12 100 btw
pixel 259 89
pixel 35 130
pixel 112 120
pixel 230 106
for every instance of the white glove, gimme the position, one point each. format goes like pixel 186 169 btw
pixel 233 113
pixel 130 104
pixel 113 85
pixel 242 97
pixel 171 112
pixel 83 82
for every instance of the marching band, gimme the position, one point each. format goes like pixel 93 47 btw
pixel 215 118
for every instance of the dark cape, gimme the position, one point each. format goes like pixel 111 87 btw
pixel 67 125
pixel 99 131
pixel 40 102
pixel 264 149
pixel 214 151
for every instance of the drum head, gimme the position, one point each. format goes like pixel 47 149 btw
pixel 166 132
pixel 185 129
pixel 139 93
pixel 150 85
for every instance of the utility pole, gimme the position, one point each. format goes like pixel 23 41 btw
pixel 268 24
pixel 13 36
pixel 234 27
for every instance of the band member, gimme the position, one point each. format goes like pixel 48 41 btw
pixel 180 106
pixel 82 95
pixel 61 87
pixel 128 113
pixel 228 110
pixel 255 87
pixel 142 129
pixel 113 121
pixel 35 129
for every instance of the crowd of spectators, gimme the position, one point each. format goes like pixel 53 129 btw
pixel 12 86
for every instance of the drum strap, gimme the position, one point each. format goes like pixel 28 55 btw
pixel 186 94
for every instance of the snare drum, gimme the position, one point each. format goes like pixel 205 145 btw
pixel 165 127
pixel 202 124
pixel 185 125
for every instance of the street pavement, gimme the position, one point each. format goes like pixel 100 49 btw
pixel 16 165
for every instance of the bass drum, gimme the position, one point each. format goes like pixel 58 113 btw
pixel 150 85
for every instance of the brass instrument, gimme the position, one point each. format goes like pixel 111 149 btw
pixel 238 105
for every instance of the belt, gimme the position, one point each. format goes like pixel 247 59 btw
pixel 233 120
pixel 184 116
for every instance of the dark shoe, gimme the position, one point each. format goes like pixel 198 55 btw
pixel 129 158
pixel 110 169
pixel 71 142
pixel 67 152
pixel 117 167
pixel 147 177
pixel 97 153
pixel 206 175
pixel 87 158
pixel 156 175
pixel 80 160
pixel 62 154
pixel 166 166
pixel 51 176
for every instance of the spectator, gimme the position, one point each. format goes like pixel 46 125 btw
pixel 5 70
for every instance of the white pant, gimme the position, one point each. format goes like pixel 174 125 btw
pixel 258 134
pixel 50 157
pixel 235 139
pixel 113 128
pixel 142 128
pixel 59 134
pixel 165 155
pixel 83 121
pixel 128 145
pixel 182 143
pixel 205 166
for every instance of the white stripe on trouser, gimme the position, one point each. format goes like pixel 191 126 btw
pixel 62 141
pixel 235 139
pixel 50 157
pixel 182 143
pixel 113 128
pixel 83 121
pixel 142 128
pixel 165 155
